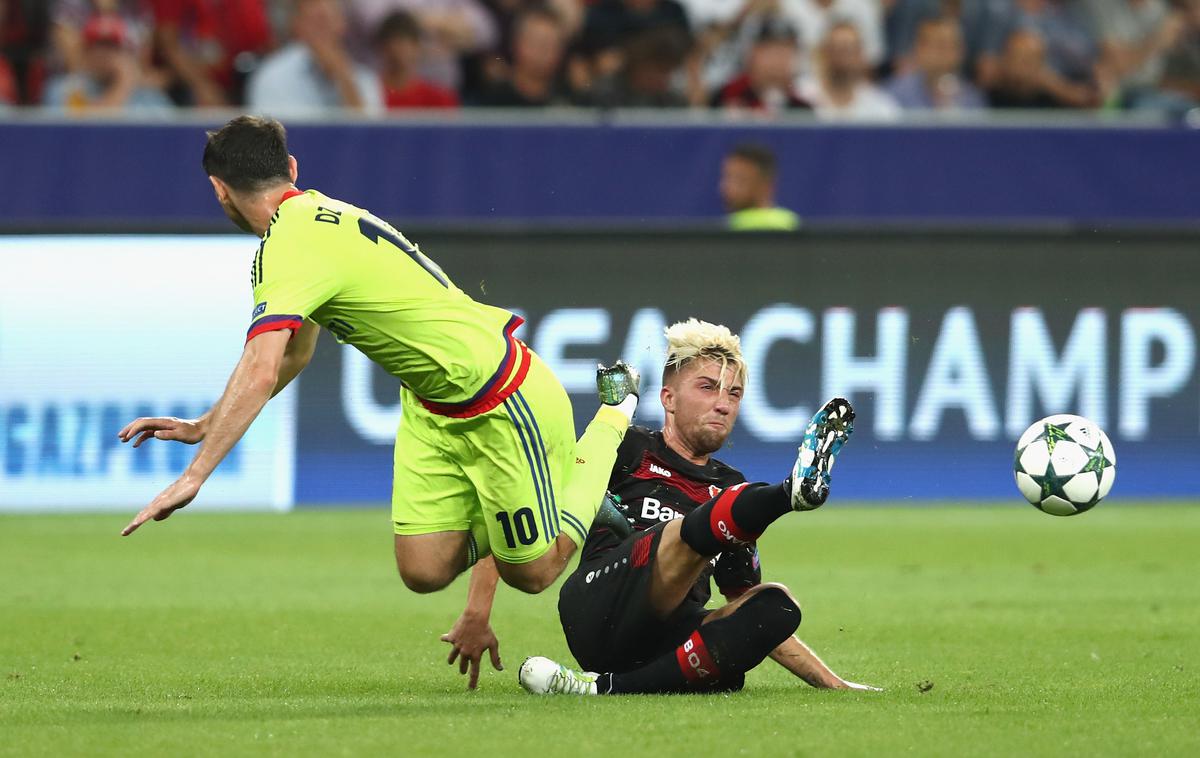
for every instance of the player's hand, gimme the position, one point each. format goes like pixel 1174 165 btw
pixel 189 431
pixel 181 492
pixel 470 636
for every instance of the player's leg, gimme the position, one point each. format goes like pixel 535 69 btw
pixel 715 656
pixel 742 513
pixel 435 512
pixel 538 487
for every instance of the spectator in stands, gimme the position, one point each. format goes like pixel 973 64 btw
pixel 450 29
pixel 768 83
pixel 816 18
pixel 8 78
pixel 315 71
pixel 974 17
pixel 725 32
pixel 1025 80
pixel 488 68
pixel 111 76
pixel 185 38
pixel 1181 74
pixel 748 176
pixel 1070 46
pixel 646 78
pixel 398 49
pixel 610 23
pixel 1135 37
pixel 841 87
pixel 68 18
pixel 935 81
pixel 539 42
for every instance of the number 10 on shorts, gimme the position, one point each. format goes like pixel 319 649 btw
pixel 522 524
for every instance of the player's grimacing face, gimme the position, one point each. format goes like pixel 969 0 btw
pixel 703 408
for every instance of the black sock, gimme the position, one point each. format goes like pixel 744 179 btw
pixel 717 656
pixel 739 514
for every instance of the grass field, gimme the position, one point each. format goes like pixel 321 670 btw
pixel 291 635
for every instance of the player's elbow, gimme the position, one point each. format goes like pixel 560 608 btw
pixel 263 378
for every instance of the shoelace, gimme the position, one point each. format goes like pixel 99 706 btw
pixel 567 682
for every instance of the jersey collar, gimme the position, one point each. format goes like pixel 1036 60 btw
pixel 289 195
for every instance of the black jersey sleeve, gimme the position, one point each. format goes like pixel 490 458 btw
pixel 737 570
pixel 629 454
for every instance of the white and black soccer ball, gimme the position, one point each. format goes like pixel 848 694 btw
pixel 1064 464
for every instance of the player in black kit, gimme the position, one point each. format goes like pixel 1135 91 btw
pixel 635 608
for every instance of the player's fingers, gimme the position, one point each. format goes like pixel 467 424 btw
pixel 138 520
pixel 139 425
pixel 464 663
pixel 453 652
pixel 142 438
pixel 494 651
pixel 474 675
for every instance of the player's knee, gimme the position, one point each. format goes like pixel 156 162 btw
pixel 531 583
pixel 424 579
pixel 775 601
pixel 531 578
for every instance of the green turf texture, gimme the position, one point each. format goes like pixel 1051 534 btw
pixel 996 630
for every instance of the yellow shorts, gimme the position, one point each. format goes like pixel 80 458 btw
pixel 497 474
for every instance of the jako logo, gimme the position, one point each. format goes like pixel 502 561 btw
pixel 659 470
pixel 725 531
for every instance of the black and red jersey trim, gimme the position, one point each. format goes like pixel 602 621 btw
pixel 274 323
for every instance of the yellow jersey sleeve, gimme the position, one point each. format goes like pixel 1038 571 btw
pixel 291 278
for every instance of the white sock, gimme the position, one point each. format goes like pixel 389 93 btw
pixel 628 406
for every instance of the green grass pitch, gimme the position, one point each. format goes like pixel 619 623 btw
pixel 995 630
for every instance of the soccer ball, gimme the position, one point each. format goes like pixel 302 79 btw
pixel 1064 465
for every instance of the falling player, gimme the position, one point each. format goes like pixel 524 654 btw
pixel 486 461
pixel 634 609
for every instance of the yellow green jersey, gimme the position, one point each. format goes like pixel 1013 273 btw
pixel 359 278
pixel 764 220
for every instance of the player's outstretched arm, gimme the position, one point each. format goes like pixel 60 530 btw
pixel 472 634
pixel 251 386
pixel 799 659
pixel 297 355
pixel 190 431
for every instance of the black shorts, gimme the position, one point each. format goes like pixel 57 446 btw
pixel 606 614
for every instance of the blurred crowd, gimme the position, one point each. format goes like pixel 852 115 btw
pixel 845 59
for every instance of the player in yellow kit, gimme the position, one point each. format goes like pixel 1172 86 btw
pixel 486 461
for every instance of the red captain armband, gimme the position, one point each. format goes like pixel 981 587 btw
pixel 274 324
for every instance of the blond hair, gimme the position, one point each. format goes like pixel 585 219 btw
pixel 693 339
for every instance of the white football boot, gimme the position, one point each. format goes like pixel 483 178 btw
pixel 542 676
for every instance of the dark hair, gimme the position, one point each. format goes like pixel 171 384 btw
pixel 248 153
pixel 760 156
pixel 401 24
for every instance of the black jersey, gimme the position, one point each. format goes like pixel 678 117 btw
pixel 656 485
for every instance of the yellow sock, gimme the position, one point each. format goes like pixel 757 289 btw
pixel 595 454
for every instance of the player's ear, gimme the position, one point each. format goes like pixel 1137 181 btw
pixel 293 168
pixel 219 188
pixel 667 398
